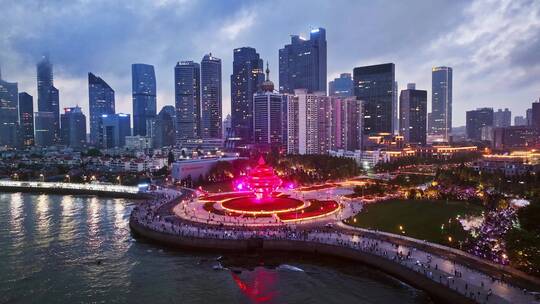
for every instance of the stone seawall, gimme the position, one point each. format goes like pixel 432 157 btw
pixel 437 291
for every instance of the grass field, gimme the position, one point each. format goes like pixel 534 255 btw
pixel 420 219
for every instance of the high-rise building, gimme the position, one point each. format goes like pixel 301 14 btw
pixel 375 86
pixel 502 119
pixel 346 123
pixel 114 129
pixel 520 121
pixel 535 115
pixel 310 122
pixel 73 128
pixel 165 132
pixel 292 124
pixel 9 114
pixel 341 86
pixel 528 117
pixel 44 135
pixel 441 102
pixel 101 101
pixel 516 137
pixel 476 120
pixel 413 115
pixel 48 99
pixel 246 78
pixel 268 115
pixel 144 98
pixel 211 121
pixel 302 63
pixel 187 89
pixel 395 109
pixel 26 119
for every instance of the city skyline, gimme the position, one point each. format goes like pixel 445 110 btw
pixel 455 43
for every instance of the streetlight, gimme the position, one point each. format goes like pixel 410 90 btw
pixel 68 178
pixel 41 177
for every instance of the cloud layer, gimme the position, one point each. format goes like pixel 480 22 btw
pixel 493 46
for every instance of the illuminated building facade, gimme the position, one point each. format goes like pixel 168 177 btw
pixel 211 115
pixel 187 91
pixel 143 80
pixel 441 102
pixel 375 86
pixel 246 79
pixel 9 114
pixel 413 115
pixel 101 101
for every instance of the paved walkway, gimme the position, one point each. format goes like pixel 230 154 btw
pixel 157 215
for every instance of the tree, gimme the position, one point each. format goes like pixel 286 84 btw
pixel 170 158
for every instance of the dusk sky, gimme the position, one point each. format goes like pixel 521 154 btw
pixel 493 46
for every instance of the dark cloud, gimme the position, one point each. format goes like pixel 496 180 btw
pixel 106 37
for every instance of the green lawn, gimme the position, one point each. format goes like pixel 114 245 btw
pixel 420 219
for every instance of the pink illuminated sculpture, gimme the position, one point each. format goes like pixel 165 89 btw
pixel 262 180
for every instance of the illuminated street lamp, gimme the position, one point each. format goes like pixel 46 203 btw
pixel 68 178
pixel 41 177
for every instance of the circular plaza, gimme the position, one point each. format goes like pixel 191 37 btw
pixel 261 199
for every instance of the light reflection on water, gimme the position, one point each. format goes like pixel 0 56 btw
pixel 67 249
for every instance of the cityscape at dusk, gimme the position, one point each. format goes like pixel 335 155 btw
pixel 270 151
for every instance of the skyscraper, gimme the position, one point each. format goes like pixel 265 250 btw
pixel 476 120
pixel 101 101
pixel 48 100
pixel 413 115
pixel 73 128
pixel 502 119
pixel 165 132
pixel 114 129
pixel 375 86
pixel 44 135
pixel 144 98
pixel 441 102
pixel 211 123
pixel 9 114
pixel 268 115
pixel 341 86
pixel 187 89
pixel 528 117
pixel 26 119
pixel 535 115
pixel 346 123
pixel 302 63
pixel 246 78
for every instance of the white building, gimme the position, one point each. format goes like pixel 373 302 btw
pixel 138 142
pixel 311 115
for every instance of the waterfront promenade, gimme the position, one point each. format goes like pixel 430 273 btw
pixel 442 275
pixel 71 188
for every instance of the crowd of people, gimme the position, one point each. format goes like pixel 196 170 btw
pixel 157 215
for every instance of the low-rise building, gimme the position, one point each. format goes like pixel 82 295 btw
pixel 515 163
